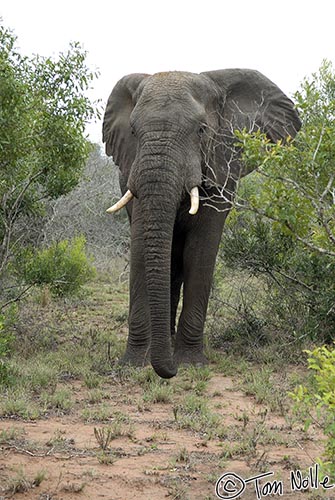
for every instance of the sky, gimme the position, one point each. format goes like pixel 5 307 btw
pixel 284 39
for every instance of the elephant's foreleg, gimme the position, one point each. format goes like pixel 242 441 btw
pixel 199 256
pixel 138 344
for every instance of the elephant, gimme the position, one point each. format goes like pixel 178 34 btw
pixel 172 136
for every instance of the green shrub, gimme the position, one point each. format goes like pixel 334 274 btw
pixel 63 266
pixel 316 403
pixel 295 291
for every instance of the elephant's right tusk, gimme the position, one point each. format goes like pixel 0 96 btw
pixel 194 194
pixel 121 203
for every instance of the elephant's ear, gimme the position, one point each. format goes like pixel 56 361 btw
pixel 251 101
pixel 116 130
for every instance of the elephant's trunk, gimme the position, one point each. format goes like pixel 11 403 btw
pixel 159 196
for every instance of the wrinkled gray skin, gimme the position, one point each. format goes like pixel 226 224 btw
pixel 168 133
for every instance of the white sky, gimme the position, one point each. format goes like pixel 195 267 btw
pixel 284 39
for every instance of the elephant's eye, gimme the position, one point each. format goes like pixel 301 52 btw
pixel 202 129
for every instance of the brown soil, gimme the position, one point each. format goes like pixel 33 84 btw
pixel 158 459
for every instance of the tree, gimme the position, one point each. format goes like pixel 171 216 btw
pixel 43 149
pixel 297 182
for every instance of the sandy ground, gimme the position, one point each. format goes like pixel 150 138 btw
pixel 157 459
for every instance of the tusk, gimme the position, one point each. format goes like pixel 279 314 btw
pixel 194 194
pixel 121 203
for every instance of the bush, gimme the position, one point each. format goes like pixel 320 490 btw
pixel 317 402
pixel 63 266
pixel 298 284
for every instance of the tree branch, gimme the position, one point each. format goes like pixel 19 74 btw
pixel 16 299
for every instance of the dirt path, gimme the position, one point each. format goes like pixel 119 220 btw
pixel 154 453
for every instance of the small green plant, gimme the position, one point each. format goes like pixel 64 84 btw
pixel 231 451
pixel 178 491
pixel 39 477
pixel 73 487
pixel 197 374
pixel 21 484
pixel 60 400
pixel 157 437
pixel 101 413
pixel 244 441
pixel 121 428
pixel 316 403
pixel 17 403
pixel 59 440
pixel 38 374
pixel 229 364
pixel 194 379
pixel 11 434
pixel 105 458
pixel 104 436
pixel 183 456
pixel 96 396
pixel 193 413
pixel 92 380
pixel 258 384
pixel 143 376
pixel 243 417
pixel 158 392
pixel 261 384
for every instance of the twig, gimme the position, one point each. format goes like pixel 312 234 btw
pixel 26 452
pixel 16 299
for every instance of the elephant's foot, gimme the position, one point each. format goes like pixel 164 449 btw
pixel 136 357
pixel 187 356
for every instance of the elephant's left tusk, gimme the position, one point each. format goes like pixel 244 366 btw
pixel 194 194
pixel 121 203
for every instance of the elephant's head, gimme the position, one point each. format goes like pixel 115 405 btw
pixel 170 134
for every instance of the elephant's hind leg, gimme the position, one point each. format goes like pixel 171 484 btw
pixel 176 277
